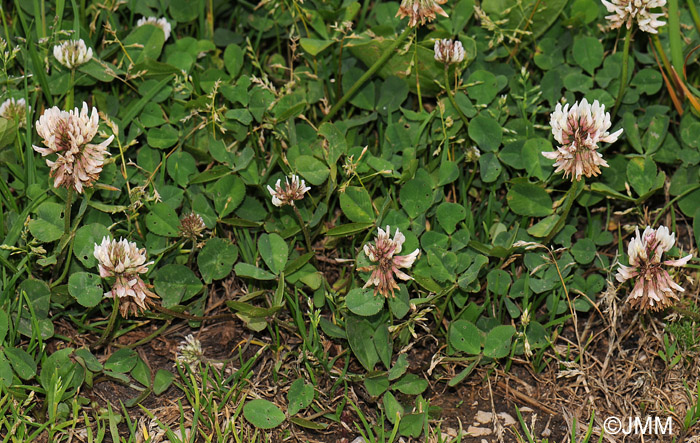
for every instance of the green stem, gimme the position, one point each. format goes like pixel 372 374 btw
pixel 65 267
pixel 452 98
pixel 71 93
pixel 570 197
pixel 303 229
pixel 657 44
pixel 694 13
pixel 110 325
pixel 674 36
pixel 388 52
pixel 623 77
pixel 66 215
pixel 415 66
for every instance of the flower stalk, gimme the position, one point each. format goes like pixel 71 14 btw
pixel 66 215
pixel 450 95
pixel 307 239
pixel 625 68
pixel 571 195
pixel 369 73
pixel 110 325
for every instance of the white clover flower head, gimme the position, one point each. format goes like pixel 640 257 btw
pixel 15 110
pixel 448 51
pixel 421 10
pixel 654 288
pixel 190 351
pixel 387 263
pixel 162 23
pixel 625 12
pixel 68 135
pixel 72 53
pixel 579 129
pixel 124 261
pixel 294 189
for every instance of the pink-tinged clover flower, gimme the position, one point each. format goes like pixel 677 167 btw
pixel 124 261
pixel 579 129
pixel 421 10
pixel 386 262
pixel 68 135
pixel 285 195
pixel 625 12
pixel 654 288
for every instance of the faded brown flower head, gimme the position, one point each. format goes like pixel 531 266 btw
pixel 68 135
pixel 654 289
pixel 285 195
pixel 421 10
pixel 124 261
pixel 15 110
pixel 387 263
pixel 625 12
pixel 192 226
pixel 579 130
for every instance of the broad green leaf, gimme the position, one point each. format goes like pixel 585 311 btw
pixel 363 302
pixel 449 214
pixel 498 340
pixel 416 197
pixel 228 193
pixel 21 362
pixel 486 133
pixel 489 167
pixel 274 251
pixel 49 222
pixel 641 174
pixel 588 53
pixel 181 166
pixel 162 381
pixel 122 361
pixel 360 337
pixel 410 384
pixel 337 145
pixel 233 59
pixel 183 11
pixel 465 337
pixel 175 284
pixel 216 259
pixel 163 220
pixel 162 137
pixel 535 163
pixel 263 414
pixel 348 229
pixel 498 281
pixel 312 169
pixel 314 46
pixel 248 270
pixel 584 251
pixel 144 42
pixel 357 205
pixel 86 288
pixel 299 396
pixel 529 200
